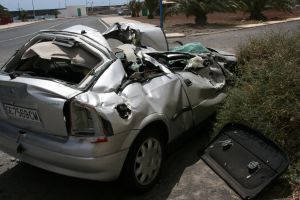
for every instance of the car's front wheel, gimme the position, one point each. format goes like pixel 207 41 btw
pixel 144 162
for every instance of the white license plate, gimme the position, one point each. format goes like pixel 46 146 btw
pixel 22 113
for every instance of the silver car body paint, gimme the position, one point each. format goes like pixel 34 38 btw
pixel 145 34
pixel 178 99
pixel 90 32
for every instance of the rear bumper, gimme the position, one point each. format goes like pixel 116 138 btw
pixel 57 158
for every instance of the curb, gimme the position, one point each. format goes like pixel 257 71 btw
pixel 217 32
pixel 241 28
pixel 175 35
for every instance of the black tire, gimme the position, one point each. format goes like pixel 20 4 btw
pixel 128 177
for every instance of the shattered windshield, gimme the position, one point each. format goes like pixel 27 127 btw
pixel 194 48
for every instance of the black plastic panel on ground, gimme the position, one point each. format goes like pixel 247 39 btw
pixel 245 159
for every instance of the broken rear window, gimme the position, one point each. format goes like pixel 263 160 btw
pixel 50 59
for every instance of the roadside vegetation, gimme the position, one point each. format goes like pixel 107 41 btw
pixel 152 6
pixel 135 7
pixel 200 9
pixel 131 7
pixel 56 13
pixel 23 14
pixel 256 7
pixel 266 94
pixel 4 12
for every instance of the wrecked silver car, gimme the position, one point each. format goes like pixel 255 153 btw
pixel 72 104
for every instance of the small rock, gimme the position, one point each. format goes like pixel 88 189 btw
pixel 12 159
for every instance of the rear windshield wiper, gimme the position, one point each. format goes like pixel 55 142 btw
pixel 14 75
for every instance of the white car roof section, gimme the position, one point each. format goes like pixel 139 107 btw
pixel 147 35
pixel 90 32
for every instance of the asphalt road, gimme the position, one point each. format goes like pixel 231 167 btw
pixel 231 40
pixel 12 39
pixel 184 176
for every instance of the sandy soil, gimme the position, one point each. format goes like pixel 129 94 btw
pixel 216 21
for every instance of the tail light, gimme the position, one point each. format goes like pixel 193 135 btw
pixel 85 121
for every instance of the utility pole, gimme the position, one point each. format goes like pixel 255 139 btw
pixel 19 5
pixel 33 9
pixel 66 3
pixel 161 11
pixel 86 7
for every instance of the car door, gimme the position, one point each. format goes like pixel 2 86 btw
pixel 163 95
pixel 205 90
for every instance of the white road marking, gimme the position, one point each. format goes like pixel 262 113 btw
pixel 103 23
pixel 7 40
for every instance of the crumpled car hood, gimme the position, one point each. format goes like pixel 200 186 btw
pixel 139 35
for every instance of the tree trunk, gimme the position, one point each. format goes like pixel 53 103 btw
pixel 150 16
pixel 201 19
pixel 257 15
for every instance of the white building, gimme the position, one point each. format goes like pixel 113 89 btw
pixel 73 11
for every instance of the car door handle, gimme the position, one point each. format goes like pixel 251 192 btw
pixel 188 82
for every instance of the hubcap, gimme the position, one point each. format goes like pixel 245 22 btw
pixel 148 160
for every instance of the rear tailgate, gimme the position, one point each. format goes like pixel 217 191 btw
pixel 34 104
pixel 245 159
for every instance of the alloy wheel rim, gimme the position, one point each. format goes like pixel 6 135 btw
pixel 148 160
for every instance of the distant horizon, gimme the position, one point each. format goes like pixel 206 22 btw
pixel 14 5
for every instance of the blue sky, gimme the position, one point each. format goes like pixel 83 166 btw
pixel 44 4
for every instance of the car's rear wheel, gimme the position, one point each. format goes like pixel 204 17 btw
pixel 144 162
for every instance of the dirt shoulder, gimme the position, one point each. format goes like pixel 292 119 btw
pixel 216 21
pixel 16 24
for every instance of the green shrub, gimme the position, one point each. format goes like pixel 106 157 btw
pixel 266 95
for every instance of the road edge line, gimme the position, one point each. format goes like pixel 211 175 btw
pixel 103 23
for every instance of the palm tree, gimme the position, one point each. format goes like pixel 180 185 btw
pixel 131 7
pixel 256 7
pixel 23 15
pixel 200 8
pixel 138 7
pixel 151 5
pixel 4 12
pixel 56 13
